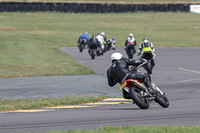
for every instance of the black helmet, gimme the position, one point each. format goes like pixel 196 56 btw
pixel 146 38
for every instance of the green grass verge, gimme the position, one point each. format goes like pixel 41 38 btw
pixel 138 129
pixel 30 42
pixel 37 103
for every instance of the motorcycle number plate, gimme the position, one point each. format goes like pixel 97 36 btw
pixel 123 85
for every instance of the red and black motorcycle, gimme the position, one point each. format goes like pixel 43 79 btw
pixel 140 94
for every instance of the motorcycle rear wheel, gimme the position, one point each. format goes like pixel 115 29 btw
pixel 92 54
pixel 149 67
pixel 81 47
pixel 162 100
pixel 131 53
pixel 140 101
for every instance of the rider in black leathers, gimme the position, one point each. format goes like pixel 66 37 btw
pixel 119 71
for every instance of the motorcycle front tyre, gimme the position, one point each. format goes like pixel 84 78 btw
pixel 140 101
pixel 162 100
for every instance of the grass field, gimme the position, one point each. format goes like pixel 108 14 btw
pixel 112 1
pixel 30 42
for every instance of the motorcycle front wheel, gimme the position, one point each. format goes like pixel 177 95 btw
pixel 162 100
pixel 139 100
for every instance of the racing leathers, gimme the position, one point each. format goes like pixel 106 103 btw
pixel 147 47
pixel 119 71
pixel 100 39
pixel 130 40
pixel 83 36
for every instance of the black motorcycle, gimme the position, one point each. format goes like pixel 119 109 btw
pixel 82 44
pixel 94 49
pixel 110 44
pixel 150 61
pixel 130 50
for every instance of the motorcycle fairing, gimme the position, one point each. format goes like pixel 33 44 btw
pixel 131 83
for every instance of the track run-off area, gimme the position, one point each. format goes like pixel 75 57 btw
pixel 177 73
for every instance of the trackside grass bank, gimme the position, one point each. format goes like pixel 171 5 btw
pixel 37 103
pixel 111 1
pixel 30 42
pixel 138 129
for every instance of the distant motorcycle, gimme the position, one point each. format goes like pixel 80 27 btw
pixel 150 61
pixel 130 50
pixel 94 50
pixel 140 94
pixel 110 44
pixel 82 44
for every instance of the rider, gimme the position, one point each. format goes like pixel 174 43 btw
pixel 104 37
pixel 93 40
pixel 130 40
pixel 84 35
pixel 119 71
pixel 146 46
pixel 100 39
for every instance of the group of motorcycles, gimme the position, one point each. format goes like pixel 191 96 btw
pixel 149 56
pixel 136 89
pixel 94 49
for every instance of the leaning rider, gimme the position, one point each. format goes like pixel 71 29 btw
pixel 119 71
pixel 84 35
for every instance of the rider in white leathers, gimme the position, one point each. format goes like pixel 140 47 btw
pixel 100 39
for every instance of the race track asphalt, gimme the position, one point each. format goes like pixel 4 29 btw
pixel 177 73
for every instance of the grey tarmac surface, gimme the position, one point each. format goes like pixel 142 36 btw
pixel 177 73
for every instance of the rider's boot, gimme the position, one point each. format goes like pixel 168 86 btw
pixel 147 82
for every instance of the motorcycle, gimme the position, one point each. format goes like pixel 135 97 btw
pixel 139 93
pixel 130 50
pixel 82 44
pixel 110 44
pixel 150 61
pixel 94 50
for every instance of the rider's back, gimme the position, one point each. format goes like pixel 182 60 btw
pixel 100 38
pixel 118 70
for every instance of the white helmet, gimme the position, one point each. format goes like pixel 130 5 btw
pixel 146 41
pixel 116 56
pixel 103 33
pixel 85 32
pixel 131 34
